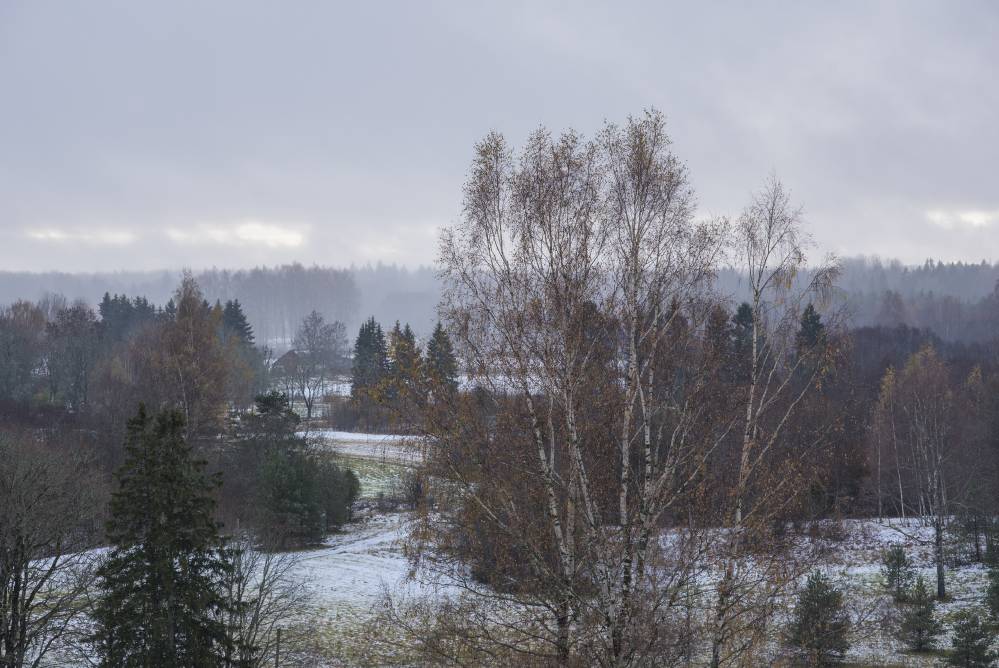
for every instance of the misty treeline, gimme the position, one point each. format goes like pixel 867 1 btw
pixel 152 430
pixel 274 299
pixel 641 470
pixel 955 300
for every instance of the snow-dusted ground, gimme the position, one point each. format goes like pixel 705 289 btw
pixel 855 565
pixel 351 573
pixel 355 567
pixel 383 447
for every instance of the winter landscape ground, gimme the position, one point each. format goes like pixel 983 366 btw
pixel 350 577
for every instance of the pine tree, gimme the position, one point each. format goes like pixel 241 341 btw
pixel 972 642
pixel 897 572
pixel 161 603
pixel 820 622
pixel 919 627
pixel 442 366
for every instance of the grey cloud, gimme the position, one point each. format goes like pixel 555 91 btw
pixel 351 126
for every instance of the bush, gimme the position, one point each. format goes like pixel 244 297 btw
pixel 972 642
pixel 412 488
pixel 304 496
pixel 820 621
pixel 897 571
pixel 919 627
pixel 338 488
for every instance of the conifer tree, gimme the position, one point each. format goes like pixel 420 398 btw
pixel 811 331
pixel 442 366
pixel 972 642
pixel 898 572
pixel 161 602
pixel 370 363
pixel 919 626
pixel 234 323
pixel 820 622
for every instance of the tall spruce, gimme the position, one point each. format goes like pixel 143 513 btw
pixel 811 331
pixel 370 363
pixel 161 602
pixel 441 364
pixel 234 323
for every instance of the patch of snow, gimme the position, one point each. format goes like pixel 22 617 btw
pixel 395 448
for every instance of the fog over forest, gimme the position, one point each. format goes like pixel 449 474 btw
pixel 942 297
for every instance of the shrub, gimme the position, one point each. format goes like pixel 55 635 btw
pixel 919 627
pixel 820 621
pixel 303 496
pixel 897 571
pixel 972 641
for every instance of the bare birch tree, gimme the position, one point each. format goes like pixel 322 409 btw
pixel 319 350
pixel 920 405
pixel 574 285
pixel 770 247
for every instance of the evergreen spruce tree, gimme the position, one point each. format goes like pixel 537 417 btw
pixel 820 622
pixel 811 332
pixel 234 323
pixel 442 366
pixel 972 641
pixel 370 363
pixel 161 602
pixel 919 627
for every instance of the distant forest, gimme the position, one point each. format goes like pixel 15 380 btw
pixel 956 301
pixel 275 299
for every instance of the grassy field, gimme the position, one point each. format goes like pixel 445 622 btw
pixel 378 478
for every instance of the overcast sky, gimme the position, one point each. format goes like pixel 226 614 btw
pixel 140 135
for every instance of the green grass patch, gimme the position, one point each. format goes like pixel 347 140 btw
pixel 378 478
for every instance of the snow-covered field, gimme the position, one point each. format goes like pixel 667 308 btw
pixel 354 568
pixel 383 447
pixel 350 574
pixel 855 565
